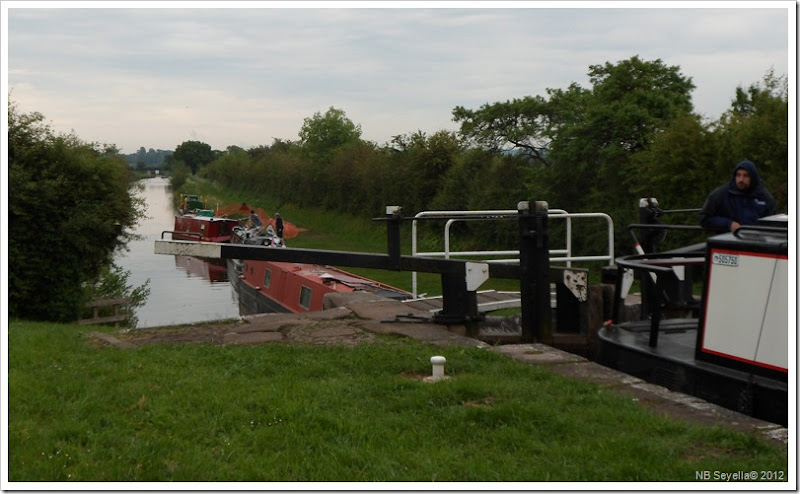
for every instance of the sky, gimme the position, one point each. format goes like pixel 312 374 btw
pixel 156 74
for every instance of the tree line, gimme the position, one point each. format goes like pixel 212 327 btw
pixel 633 133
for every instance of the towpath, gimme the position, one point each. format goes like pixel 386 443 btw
pixel 351 319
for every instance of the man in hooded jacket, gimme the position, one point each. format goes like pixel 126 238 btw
pixel 741 201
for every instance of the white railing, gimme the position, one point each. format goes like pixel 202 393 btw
pixel 566 252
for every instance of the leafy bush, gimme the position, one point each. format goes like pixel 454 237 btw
pixel 69 206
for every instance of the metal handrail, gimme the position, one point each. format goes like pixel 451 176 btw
pixel 454 216
pixel 656 265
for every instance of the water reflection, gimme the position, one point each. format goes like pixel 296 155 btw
pixel 215 273
pixel 182 289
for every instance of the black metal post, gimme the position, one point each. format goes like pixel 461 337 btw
pixel 648 215
pixel 655 314
pixel 455 300
pixel 534 260
pixel 394 217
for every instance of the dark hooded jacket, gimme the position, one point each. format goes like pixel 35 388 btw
pixel 727 204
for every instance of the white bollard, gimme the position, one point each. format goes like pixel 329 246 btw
pixel 438 367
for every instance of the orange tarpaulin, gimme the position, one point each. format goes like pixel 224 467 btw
pixel 243 210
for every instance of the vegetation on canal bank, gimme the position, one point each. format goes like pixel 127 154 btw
pixel 71 204
pixel 80 411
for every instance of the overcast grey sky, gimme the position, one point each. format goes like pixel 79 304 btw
pixel 156 77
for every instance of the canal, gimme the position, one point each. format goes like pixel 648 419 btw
pixel 182 289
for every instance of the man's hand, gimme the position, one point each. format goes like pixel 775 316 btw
pixel 734 226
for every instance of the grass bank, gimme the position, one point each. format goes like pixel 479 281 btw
pixel 79 411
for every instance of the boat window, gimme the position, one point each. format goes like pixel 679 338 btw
pixel 267 278
pixel 305 297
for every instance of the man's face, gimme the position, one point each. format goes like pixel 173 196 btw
pixel 742 179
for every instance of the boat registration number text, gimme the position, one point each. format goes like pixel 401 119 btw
pixel 726 259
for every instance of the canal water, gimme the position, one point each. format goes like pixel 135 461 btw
pixel 183 289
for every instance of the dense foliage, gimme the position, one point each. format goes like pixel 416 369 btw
pixel 194 154
pixel 632 134
pixel 69 206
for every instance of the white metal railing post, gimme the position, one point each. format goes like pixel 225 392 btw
pixel 610 239
pixel 447 238
pixel 569 240
pixel 414 253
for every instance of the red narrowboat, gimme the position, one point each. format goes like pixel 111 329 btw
pixel 268 286
pixel 203 228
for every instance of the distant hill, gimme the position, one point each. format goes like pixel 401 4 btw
pixel 147 159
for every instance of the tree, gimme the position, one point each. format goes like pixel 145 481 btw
pixel 757 128
pixel 630 104
pixel 180 172
pixel 70 204
pixel 321 135
pixel 682 154
pixel 522 124
pixel 352 178
pixel 195 154
pixel 425 161
pixel 234 149
pixel 461 181
pixel 585 138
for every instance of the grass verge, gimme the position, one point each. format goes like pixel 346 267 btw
pixel 193 412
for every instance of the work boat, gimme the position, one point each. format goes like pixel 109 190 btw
pixel 730 347
pixel 195 222
pixel 269 286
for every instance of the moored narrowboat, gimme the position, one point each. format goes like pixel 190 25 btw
pixel 270 286
pixel 267 286
pixel 203 228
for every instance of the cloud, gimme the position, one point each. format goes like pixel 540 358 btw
pixel 153 76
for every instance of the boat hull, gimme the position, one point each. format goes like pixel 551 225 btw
pixel 672 365
pixel 267 286
pixel 251 300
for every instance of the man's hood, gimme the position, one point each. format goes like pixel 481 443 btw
pixel 755 181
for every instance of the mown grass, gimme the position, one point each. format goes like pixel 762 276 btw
pixel 79 411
